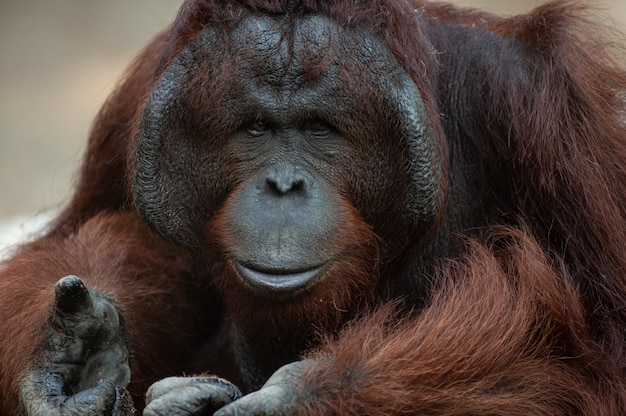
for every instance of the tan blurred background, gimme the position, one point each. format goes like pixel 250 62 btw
pixel 59 60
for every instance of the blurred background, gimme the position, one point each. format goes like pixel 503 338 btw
pixel 59 60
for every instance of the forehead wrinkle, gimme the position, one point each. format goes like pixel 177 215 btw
pixel 258 47
pixel 283 52
pixel 285 66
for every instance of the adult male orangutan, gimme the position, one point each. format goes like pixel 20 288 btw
pixel 385 207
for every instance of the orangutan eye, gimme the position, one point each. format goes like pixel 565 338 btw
pixel 318 128
pixel 259 127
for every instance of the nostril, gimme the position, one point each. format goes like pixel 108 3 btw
pixel 298 186
pixel 283 187
pixel 286 181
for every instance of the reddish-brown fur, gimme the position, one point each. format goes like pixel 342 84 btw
pixel 531 320
pixel 505 335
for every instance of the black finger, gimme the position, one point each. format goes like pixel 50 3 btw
pixel 162 387
pixel 189 395
pixel 71 295
pixel 41 394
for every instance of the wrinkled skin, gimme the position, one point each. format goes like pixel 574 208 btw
pixel 278 396
pixel 180 396
pixel 84 368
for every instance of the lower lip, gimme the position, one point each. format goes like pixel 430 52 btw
pixel 282 282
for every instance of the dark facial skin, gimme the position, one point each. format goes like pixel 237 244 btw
pixel 275 131
pixel 286 214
